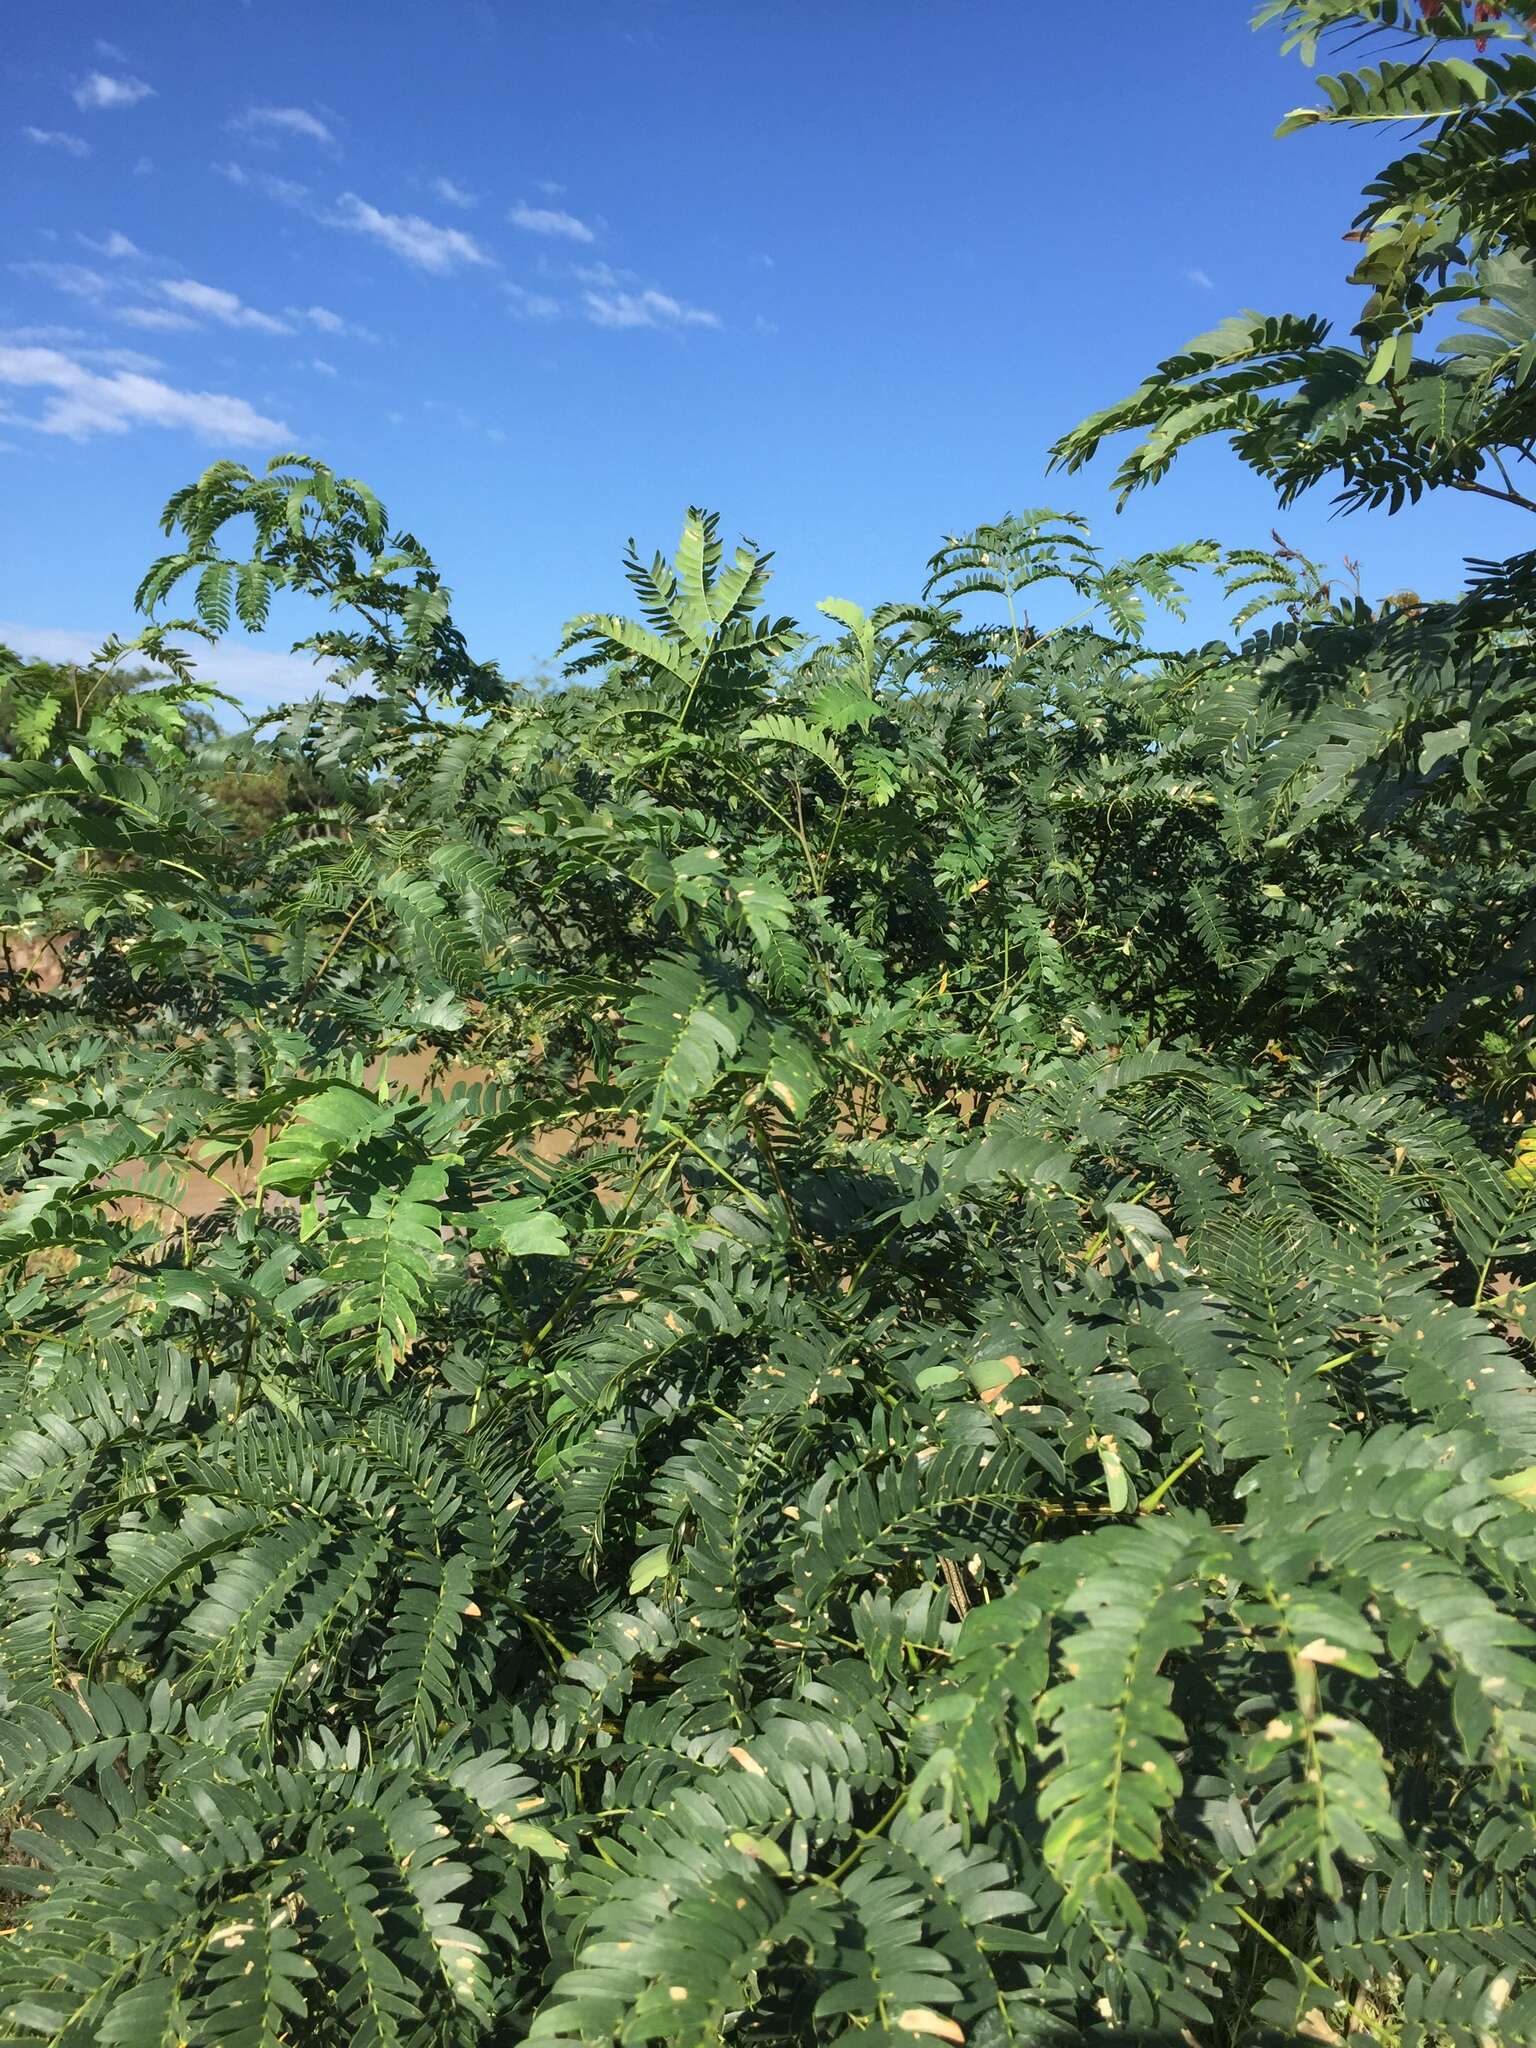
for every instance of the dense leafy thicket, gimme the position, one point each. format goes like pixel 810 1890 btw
pixel 920 1426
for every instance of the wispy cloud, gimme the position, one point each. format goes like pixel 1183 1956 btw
pixel 649 308
pixel 227 308
pixel 192 304
pixel 324 321
pixel 550 187
pixel 75 278
pixel 287 191
pixel 1199 277
pixel 452 194
pixel 111 244
pixel 58 138
pixel 533 305
pixel 283 121
pixel 69 339
pixel 103 91
pixel 414 240
pixel 322 368
pixel 81 402
pixel 155 319
pixel 460 417
pixel 549 220
pixel 117 359
pixel 23 337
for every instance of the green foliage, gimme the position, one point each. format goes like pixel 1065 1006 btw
pixel 1437 388
pixel 111 711
pixel 811 1341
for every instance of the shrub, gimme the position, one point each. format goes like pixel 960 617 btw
pixel 919 1425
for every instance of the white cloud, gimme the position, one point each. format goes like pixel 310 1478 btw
pixel 287 191
pixel 225 307
pixel 155 319
pixel 454 195
pixel 550 187
pixel 533 305
pixel 111 244
pixel 102 91
pixel 70 337
pixel 74 278
pixel 258 676
pixel 324 321
pixel 192 303
pixel 118 359
pixel 21 336
pixel 82 402
pixel 57 138
pixel 415 240
pixel 1200 278
pixel 549 220
pixel 322 368
pixel 286 120
pixel 644 309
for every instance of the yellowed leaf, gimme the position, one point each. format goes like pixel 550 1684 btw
pixel 917 2019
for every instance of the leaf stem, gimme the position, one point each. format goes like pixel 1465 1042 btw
pixel 1296 1961
pixel 1154 1499
pixel 725 1173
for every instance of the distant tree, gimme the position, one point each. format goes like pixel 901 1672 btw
pixel 104 704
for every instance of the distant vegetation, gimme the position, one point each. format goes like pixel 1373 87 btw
pixel 946 1450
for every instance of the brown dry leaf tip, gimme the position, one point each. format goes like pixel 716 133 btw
pixel 1012 1366
pixel 1321 1651
pixel 748 1762
pixel 917 2019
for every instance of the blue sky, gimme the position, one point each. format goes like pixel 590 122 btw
pixel 544 273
